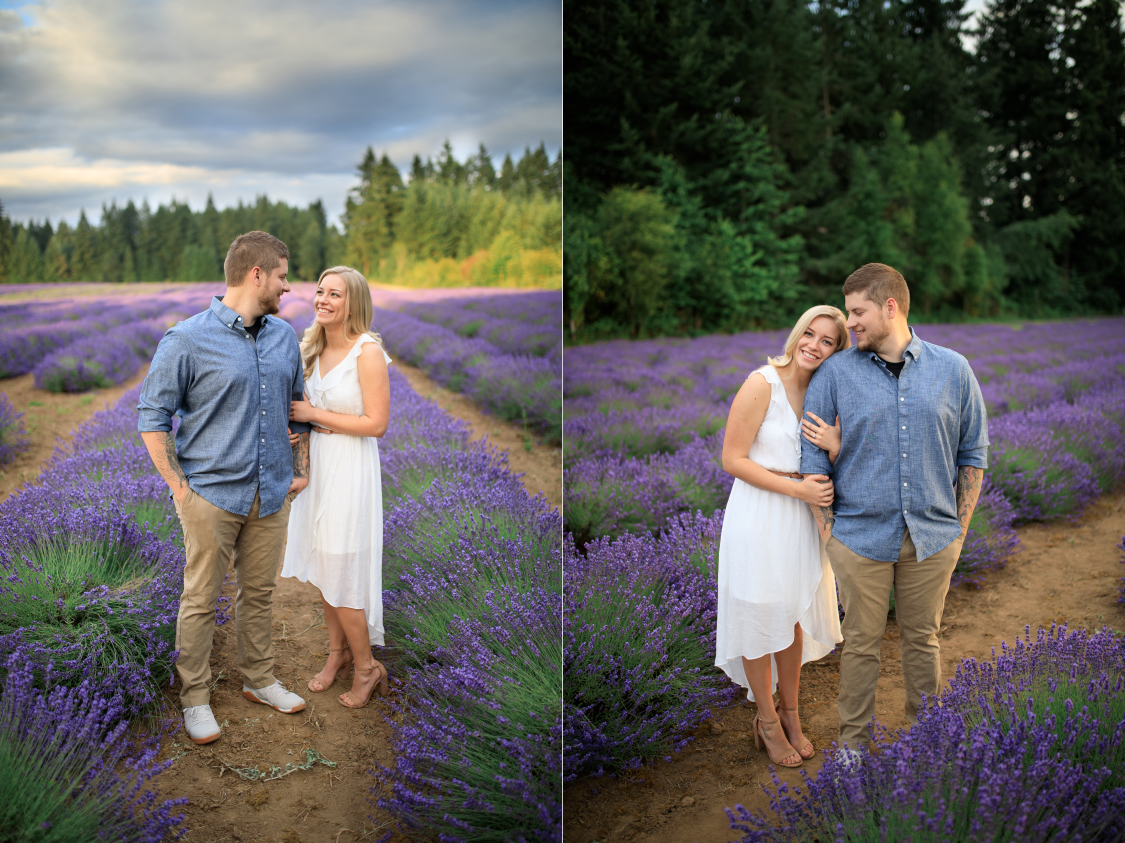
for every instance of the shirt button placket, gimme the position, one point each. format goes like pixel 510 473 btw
pixel 904 436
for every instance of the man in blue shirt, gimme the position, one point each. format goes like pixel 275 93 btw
pixel 914 446
pixel 230 373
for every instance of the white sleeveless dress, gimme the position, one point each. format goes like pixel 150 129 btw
pixel 773 571
pixel 336 524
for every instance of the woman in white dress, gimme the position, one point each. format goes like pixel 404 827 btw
pixel 336 526
pixel 776 591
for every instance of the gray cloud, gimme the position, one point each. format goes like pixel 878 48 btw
pixel 122 99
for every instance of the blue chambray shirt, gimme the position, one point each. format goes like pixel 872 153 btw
pixel 902 440
pixel 232 395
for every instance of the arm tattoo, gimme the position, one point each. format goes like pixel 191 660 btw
pixel 301 457
pixel 969 479
pixel 824 521
pixel 168 452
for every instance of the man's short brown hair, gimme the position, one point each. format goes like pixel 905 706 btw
pixel 879 282
pixel 254 248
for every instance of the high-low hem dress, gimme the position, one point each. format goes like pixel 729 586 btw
pixel 335 536
pixel 773 570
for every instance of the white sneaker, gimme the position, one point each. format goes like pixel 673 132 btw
pixel 276 697
pixel 201 724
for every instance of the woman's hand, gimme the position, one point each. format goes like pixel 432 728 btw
pixel 301 411
pixel 822 434
pixel 815 490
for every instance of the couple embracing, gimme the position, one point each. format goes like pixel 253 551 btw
pixel 879 496
pixel 275 458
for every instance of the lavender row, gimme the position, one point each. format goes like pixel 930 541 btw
pixel 29 336
pixel 97 361
pixel 13 433
pixel 639 639
pixel 472 579
pixel 525 323
pixel 1027 746
pixel 519 388
pixel 633 399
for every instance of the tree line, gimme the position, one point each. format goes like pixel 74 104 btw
pixel 446 210
pixel 730 162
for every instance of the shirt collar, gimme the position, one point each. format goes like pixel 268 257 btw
pixel 914 349
pixel 227 316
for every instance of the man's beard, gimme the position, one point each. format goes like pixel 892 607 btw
pixel 268 303
pixel 872 339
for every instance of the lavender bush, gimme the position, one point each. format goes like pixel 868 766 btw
pixel 518 388
pixel 96 362
pixel 610 496
pixel 523 323
pixel 88 591
pixel 69 770
pixel 991 539
pixel 13 434
pixel 639 639
pixel 471 578
pixel 1029 746
pixel 28 333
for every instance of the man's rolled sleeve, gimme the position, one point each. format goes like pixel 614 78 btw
pixel 972 449
pixel 820 399
pixel 165 384
pixel 298 394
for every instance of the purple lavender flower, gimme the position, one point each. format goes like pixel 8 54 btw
pixel 13 434
pixel 71 771
pixel 639 640
pixel 517 387
pixel 1029 746
pixel 88 363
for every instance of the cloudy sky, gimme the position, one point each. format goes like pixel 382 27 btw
pixel 104 100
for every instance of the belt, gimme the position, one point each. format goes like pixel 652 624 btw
pixel 796 475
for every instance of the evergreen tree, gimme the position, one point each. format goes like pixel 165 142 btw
pixel 25 261
pixel 1096 154
pixel 56 259
pixel 507 179
pixel 6 239
pixel 84 261
pixel 371 212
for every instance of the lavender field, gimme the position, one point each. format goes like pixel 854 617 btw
pixel 91 557
pixel 502 350
pixel 645 496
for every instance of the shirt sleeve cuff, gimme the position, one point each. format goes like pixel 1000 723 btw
pixel 816 464
pixel 977 458
pixel 300 427
pixel 151 421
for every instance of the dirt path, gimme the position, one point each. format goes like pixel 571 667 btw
pixel 1064 572
pixel 321 803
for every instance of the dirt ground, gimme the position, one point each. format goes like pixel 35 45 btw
pixel 321 801
pixel 1063 572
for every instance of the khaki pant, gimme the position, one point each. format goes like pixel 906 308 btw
pixel 212 537
pixel 865 590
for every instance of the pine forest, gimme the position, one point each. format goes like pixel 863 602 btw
pixel 449 223
pixel 730 162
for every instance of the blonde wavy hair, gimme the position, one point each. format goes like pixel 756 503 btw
pixel 843 338
pixel 360 312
